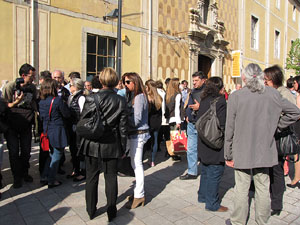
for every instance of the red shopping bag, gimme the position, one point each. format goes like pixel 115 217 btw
pixel 178 143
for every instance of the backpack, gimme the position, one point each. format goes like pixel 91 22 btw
pixel 90 125
pixel 208 127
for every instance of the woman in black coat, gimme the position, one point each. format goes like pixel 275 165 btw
pixel 102 155
pixel 212 160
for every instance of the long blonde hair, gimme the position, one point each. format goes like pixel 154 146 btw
pixel 172 89
pixel 153 96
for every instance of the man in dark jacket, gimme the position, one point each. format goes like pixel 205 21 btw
pixel 191 107
pixel 20 119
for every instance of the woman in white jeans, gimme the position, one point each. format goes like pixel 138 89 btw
pixel 138 133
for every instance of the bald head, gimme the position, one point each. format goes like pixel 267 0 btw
pixel 58 75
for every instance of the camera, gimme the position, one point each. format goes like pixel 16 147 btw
pixel 24 89
pixel 19 81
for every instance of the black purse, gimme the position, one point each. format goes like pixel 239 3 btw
pixel 288 144
pixel 90 126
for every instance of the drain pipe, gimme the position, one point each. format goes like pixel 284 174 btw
pixel 150 38
pixel 32 34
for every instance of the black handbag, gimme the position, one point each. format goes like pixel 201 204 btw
pixel 288 144
pixel 209 129
pixel 90 125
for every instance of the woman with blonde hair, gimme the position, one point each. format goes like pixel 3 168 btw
pixel 155 115
pixel 138 132
pixel 103 154
pixel 173 105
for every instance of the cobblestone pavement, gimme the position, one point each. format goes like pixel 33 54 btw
pixel 168 199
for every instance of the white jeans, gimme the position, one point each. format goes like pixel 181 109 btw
pixel 136 156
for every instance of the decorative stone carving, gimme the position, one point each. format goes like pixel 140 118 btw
pixel 214 14
pixel 200 8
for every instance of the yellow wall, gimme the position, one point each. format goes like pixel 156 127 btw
pixel 66 44
pixel 6 41
pixel 278 12
pixel 130 8
pixel 131 58
pixel 291 22
pixel 276 24
pixel 258 11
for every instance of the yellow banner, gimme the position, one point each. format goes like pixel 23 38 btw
pixel 236 64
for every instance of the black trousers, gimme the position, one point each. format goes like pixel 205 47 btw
pixel 164 131
pixel 19 148
pixel 74 150
pixel 93 168
pixel 277 185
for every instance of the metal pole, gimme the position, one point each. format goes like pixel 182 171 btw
pixel 119 44
pixel 32 34
pixel 150 38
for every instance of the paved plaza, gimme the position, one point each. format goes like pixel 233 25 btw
pixel 168 199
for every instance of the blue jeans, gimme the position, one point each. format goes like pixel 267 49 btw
pixel 52 164
pixel 192 149
pixel 209 186
pixel 154 149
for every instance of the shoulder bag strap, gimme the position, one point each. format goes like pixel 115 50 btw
pixel 50 109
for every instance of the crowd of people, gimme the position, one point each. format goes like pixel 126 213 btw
pixel 137 116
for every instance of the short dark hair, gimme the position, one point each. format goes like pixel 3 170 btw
pixel 159 84
pixel 45 75
pixel 297 79
pixel 275 74
pixel 200 74
pixel 96 83
pixel 49 88
pixel 184 81
pixel 167 81
pixel 74 75
pixel 25 69
pixel 290 82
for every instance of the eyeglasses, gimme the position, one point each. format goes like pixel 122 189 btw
pixel 127 81
pixel 266 79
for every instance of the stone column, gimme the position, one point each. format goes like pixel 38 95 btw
pixel 200 8
pixel 193 61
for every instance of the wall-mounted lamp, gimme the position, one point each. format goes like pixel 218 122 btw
pixel 112 15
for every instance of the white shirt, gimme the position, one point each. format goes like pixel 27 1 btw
pixel 176 119
pixel 162 94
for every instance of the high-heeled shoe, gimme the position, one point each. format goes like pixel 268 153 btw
pixel 136 203
pixel 293 185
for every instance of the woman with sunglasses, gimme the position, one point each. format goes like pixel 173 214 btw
pixel 138 133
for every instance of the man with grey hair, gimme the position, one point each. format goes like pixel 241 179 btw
pixel 58 75
pixel 249 145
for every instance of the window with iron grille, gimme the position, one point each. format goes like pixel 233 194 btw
pixel 254 32
pixel 101 53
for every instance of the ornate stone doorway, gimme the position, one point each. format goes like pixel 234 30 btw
pixel 204 64
pixel 207 45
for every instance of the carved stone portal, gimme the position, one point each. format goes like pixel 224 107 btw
pixel 206 36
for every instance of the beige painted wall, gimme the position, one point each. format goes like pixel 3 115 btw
pixel 258 11
pixel 66 44
pixel 6 41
